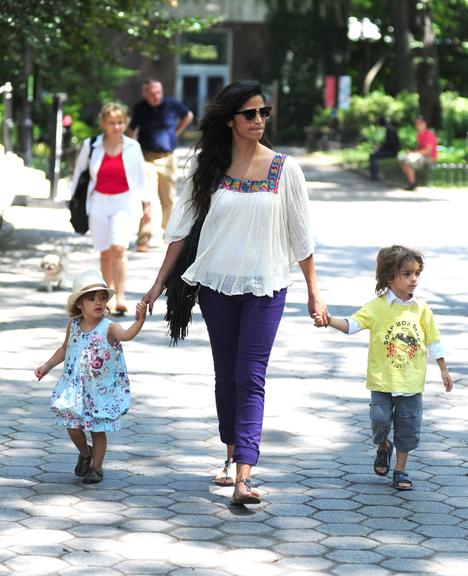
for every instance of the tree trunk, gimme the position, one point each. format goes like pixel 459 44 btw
pixel 336 13
pixel 427 63
pixel 405 72
pixel 331 21
pixel 25 103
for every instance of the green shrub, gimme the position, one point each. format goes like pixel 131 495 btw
pixel 364 112
pixel 455 117
pixel 40 156
pixel 80 130
pixel 359 122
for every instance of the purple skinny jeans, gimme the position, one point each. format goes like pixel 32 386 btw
pixel 242 329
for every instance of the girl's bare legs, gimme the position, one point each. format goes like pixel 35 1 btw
pixel 99 449
pixel 78 437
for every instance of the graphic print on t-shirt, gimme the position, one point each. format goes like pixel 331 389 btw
pixel 402 342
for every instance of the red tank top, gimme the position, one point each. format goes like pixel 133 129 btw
pixel 111 178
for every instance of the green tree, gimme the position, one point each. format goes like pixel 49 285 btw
pixel 57 45
pixel 450 22
pixel 308 39
pixel 426 60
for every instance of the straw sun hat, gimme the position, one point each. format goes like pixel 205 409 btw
pixel 87 281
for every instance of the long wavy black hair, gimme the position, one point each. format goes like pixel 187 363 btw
pixel 214 148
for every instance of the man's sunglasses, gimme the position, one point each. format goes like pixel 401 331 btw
pixel 251 113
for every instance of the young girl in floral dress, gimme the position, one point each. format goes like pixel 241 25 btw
pixel 94 390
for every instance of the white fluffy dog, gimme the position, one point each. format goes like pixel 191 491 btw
pixel 55 268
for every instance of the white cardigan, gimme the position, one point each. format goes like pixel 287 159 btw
pixel 249 239
pixel 134 165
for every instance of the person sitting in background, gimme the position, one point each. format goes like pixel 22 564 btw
pixel 389 148
pixel 425 154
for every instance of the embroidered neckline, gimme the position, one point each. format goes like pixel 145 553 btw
pixel 270 184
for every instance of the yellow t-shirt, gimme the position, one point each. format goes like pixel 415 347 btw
pixel 399 336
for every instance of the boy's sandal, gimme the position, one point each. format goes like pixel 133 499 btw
pixel 248 498
pixel 84 464
pixel 383 459
pixel 224 479
pixel 402 481
pixel 93 476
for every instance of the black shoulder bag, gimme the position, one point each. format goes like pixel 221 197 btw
pixel 77 204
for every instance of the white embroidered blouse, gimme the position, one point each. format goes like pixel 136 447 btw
pixel 253 233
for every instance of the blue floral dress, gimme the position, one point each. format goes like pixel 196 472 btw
pixel 94 390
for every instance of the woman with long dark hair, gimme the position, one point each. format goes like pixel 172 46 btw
pixel 251 206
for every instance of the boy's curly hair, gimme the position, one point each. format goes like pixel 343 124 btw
pixel 390 261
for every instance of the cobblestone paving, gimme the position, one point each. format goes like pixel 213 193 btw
pixel 324 512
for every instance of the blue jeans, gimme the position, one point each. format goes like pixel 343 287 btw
pixel 405 412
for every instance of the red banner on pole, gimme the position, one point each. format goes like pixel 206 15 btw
pixel 329 91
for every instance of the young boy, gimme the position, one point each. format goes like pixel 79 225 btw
pixel 402 329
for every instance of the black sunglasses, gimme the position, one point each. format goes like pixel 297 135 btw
pixel 251 113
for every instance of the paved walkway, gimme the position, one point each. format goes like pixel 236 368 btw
pixel 324 511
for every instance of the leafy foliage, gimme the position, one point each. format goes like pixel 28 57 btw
pixel 359 122
pixel 307 38
pixel 73 35
pixel 77 47
pixel 306 42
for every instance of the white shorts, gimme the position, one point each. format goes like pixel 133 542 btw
pixel 111 221
pixel 415 159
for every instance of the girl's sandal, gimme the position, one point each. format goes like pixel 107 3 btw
pixel 401 481
pixel 84 464
pixel 93 476
pixel 248 497
pixel 224 479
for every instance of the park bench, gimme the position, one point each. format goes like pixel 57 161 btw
pixel 440 174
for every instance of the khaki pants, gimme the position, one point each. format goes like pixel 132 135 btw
pixel 161 175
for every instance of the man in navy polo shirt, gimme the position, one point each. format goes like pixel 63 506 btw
pixel 156 122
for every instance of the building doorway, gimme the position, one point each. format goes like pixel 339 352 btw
pixel 204 69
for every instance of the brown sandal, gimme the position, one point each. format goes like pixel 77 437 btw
pixel 248 497
pixel 93 476
pixel 84 464
pixel 225 479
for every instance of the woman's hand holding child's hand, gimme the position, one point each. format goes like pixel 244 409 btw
pixel 318 320
pixel 140 314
